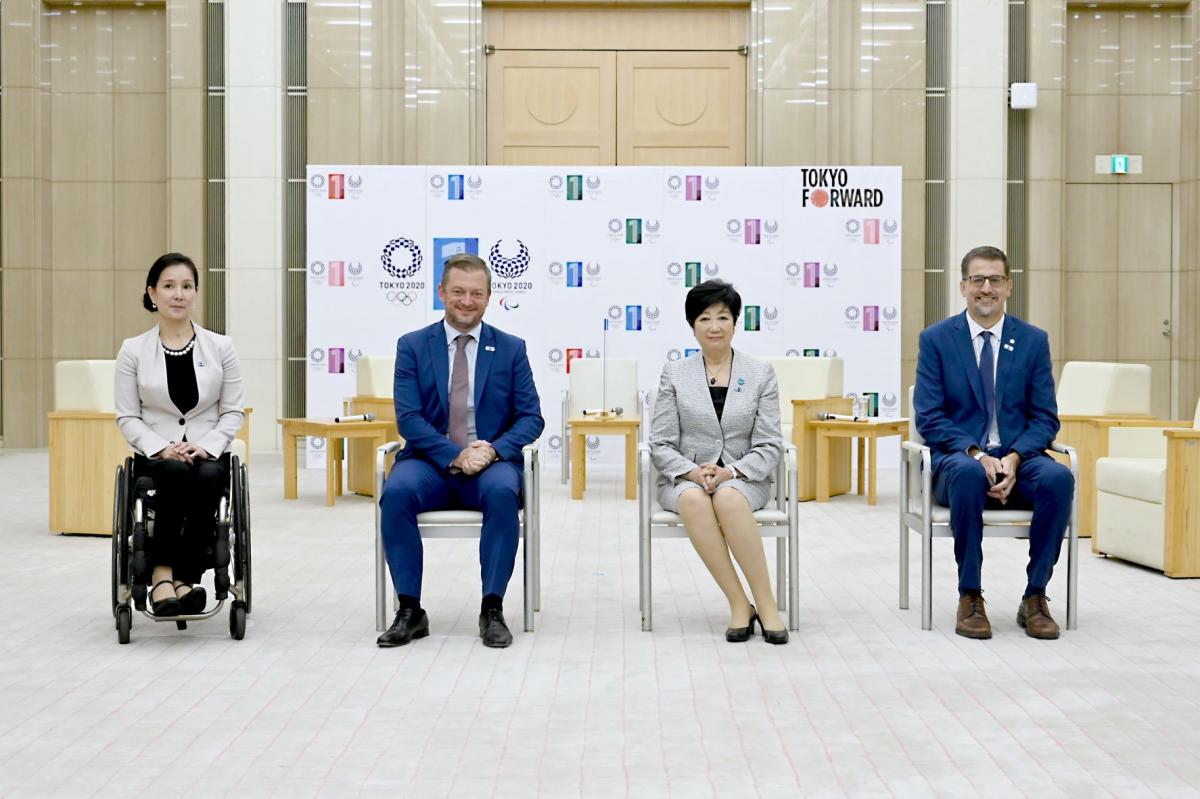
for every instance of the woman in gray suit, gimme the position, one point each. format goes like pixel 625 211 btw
pixel 715 441
pixel 179 404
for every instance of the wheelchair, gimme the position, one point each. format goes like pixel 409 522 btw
pixel 133 523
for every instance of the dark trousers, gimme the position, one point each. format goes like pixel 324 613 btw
pixel 1043 485
pixel 416 486
pixel 185 507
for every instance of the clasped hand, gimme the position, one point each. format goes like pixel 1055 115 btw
pixel 475 458
pixel 1002 475
pixel 709 475
pixel 183 451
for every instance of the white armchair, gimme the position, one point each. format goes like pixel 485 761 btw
pixel 919 513
pixel 374 376
pixel 809 387
pixel 594 382
pixel 1148 497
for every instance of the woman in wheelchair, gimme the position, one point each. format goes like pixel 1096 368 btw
pixel 179 405
pixel 715 440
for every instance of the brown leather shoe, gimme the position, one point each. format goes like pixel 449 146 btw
pixel 972 619
pixel 1034 616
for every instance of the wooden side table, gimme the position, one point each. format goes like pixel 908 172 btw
pixel 584 426
pixel 360 453
pixel 866 433
pixel 333 433
pixel 804 436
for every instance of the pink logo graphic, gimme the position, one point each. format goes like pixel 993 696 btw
pixel 337 186
pixel 572 354
pixel 693 188
pixel 870 317
pixel 870 231
pixel 337 273
pixel 753 231
pixel 812 275
pixel 337 360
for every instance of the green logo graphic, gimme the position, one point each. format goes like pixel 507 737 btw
pixel 753 317
pixel 691 273
pixel 633 231
pixel 574 187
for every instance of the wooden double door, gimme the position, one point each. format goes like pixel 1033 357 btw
pixel 620 102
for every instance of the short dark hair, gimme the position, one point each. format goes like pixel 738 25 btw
pixel 156 270
pixel 468 263
pixel 986 253
pixel 711 292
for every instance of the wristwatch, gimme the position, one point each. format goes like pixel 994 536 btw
pixel 979 455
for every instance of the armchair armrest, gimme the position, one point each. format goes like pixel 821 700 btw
pixel 784 480
pixel 1136 442
pixel 1112 423
pixel 565 459
pixel 1072 456
pixel 1182 434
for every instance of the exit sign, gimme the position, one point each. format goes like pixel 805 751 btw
pixel 1118 164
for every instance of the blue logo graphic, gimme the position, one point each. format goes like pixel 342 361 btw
pixel 633 317
pixel 454 187
pixel 443 249
pixel 574 274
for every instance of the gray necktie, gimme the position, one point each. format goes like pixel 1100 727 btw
pixel 460 384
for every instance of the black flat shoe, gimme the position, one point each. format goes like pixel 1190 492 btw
pixel 192 603
pixel 738 635
pixel 410 623
pixel 164 607
pixel 774 636
pixel 493 630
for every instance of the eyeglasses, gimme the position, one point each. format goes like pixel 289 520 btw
pixel 978 280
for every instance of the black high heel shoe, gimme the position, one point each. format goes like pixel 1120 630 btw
pixel 164 607
pixel 192 603
pixel 773 636
pixel 737 635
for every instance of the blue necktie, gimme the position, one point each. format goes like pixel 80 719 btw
pixel 988 377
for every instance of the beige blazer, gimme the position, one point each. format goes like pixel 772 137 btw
pixel 149 419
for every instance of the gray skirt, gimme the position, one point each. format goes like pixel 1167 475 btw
pixel 756 493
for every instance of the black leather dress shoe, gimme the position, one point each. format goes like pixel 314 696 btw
pixel 493 630
pixel 410 623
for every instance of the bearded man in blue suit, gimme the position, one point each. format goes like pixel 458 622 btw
pixel 984 403
pixel 465 405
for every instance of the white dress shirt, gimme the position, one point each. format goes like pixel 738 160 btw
pixel 996 330
pixel 472 349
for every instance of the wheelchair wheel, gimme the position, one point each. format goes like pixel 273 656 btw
pixel 237 621
pixel 124 623
pixel 120 550
pixel 241 560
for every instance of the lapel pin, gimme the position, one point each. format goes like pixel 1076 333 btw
pixel 200 363
pixel 489 348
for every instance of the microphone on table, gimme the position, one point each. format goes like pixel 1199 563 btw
pixel 617 411
pixel 839 417
pixel 358 417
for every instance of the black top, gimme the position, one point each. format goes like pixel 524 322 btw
pixel 718 398
pixel 181 379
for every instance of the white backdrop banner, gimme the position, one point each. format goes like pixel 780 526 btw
pixel 813 251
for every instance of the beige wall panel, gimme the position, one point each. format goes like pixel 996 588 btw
pixel 845 127
pixel 1149 125
pixel 789 127
pixel 1045 218
pixel 381 47
pixel 1046 137
pixel 1160 391
pixel 542 102
pixel 21 222
pixel 444 127
pixel 899 50
pixel 1093 51
pixel 912 239
pixel 1187 329
pixel 1092 227
pixel 1186 220
pixel 790 52
pixel 21 311
pixel 1150 52
pixel 333 45
pixel 185 44
pixel 21 53
pixel 129 317
pixel 1092 129
pixel 21 146
pixel 1090 335
pixel 695 28
pixel 84 40
pixel 83 325
pixel 908 377
pixel 1189 387
pixel 185 122
pixel 1047 43
pixel 912 311
pixel 81 226
pixel 1188 137
pixel 140 151
pixel 185 221
pixel 1144 237
pixel 24 406
pixel 81 137
pixel 443 37
pixel 140 49
pixel 1143 302
pixel 381 134
pixel 333 126
pixel 139 224
pixel 848 45
pixel 1045 306
pixel 899 133
pixel 674 105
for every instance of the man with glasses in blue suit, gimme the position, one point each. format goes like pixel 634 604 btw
pixel 984 402
pixel 465 405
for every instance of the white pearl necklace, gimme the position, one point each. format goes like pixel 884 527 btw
pixel 179 353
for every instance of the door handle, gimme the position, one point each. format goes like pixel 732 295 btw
pixel 1166 328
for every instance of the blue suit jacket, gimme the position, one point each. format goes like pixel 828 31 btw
pixel 948 399
pixel 508 413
